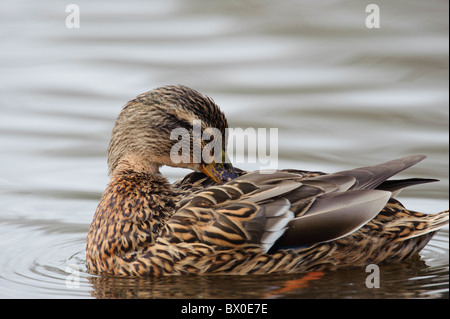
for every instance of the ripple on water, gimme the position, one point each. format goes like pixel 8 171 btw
pixel 38 263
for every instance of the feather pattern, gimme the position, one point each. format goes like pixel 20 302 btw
pixel 257 223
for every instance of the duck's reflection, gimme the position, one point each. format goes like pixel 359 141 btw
pixel 198 287
pixel 350 283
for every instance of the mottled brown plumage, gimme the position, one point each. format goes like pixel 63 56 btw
pixel 254 223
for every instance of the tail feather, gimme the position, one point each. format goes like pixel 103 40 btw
pixel 402 224
pixel 429 223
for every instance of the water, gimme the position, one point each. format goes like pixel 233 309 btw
pixel 341 96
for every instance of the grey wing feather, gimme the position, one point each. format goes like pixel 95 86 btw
pixel 332 182
pixel 371 176
pixel 333 216
pixel 347 202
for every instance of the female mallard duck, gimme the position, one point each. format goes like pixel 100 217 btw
pixel 221 221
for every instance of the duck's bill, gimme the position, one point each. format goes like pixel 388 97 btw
pixel 219 172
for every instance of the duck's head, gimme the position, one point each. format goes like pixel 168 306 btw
pixel 168 126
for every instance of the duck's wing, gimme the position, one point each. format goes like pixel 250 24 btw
pixel 284 209
pixel 244 211
pixel 372 177
pixel 359 195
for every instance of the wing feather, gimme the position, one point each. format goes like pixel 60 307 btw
pixel 287 208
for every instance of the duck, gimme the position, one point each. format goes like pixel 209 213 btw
pixel 220 219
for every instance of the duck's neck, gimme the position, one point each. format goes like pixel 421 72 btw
pixel 137 164
pixel 138 197
pixel 148 196
pixel 144 188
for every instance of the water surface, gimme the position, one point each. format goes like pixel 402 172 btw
pixel 340 94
